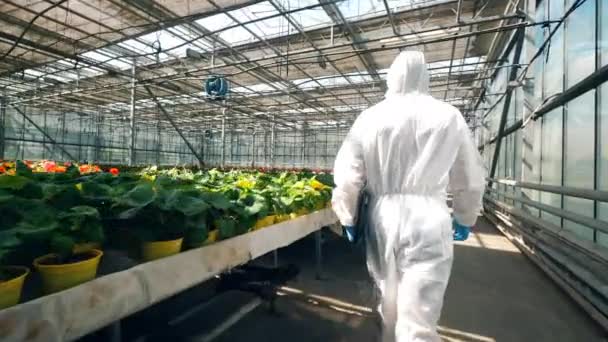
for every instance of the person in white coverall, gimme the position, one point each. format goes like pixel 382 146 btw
pixel 405 151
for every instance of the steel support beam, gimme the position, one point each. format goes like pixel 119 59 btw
pixel 55 143
pixel 391 18
pixel 509 93
pixel 459 12
pixel 594 195
pixel 177 129
pixel 2 126
pixel 566 214
pixel 590 82
pixel 333 11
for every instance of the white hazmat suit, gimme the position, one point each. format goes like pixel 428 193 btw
pixel 405 151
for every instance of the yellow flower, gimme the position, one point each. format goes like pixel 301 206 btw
pixel 245 184
pixel 79 186
pixel 315 184
pixel 149 177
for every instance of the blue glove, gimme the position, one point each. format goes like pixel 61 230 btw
pixel 349 232
pixel 461 232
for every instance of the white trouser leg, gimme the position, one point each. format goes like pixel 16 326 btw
pixel 420 299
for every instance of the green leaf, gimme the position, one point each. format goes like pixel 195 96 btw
pixel 96 191
pixel 257 207
pixel 72 171
pixel 139 196
pixel 195 236
pixel 13 182
pixel 61 196
pixel 5 197
pixel 226 227
pixel 22 169
pixel 92 231
pixel 128 214
pixel 9 239
pixel 190 205
pixel 33 231
pixel 62 245
pixel 217 200
pixel 80 211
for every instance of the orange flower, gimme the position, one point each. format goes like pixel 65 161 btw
pixel 84 168
pixel 2 169
pixel 114 171
pixel 60 169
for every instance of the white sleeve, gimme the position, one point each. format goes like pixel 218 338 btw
pixel 349 177
pixel 467 181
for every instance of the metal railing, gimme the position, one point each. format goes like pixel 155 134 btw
pixel 577 264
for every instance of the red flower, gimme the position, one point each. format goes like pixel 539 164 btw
pixel 49 166
pixel 2 169
pixel 114 171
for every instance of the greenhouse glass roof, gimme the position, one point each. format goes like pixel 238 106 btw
pixel 288 62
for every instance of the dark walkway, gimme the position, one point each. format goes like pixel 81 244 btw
pixel 495 294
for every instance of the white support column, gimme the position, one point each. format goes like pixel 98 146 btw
pixel 223 152
pixel 253 148
pixel 132 118
pixel 303 148
pixel 272 141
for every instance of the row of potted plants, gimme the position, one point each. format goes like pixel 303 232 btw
pixel 59 221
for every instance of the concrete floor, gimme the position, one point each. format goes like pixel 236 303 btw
pixel 495 294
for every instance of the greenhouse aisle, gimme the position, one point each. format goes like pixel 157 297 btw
pixel 495 294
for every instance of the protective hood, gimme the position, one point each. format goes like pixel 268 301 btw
pixel 408 74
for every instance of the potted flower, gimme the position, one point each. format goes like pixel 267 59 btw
pixel 11 277
pixel 159 216
pixel 66 266
pixel 13 211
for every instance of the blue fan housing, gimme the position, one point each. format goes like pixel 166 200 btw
pixel 216 87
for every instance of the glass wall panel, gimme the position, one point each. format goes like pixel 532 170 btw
pixel 580 42
pixel 551 160
pixel 603 29
pixel 554 54
pixel 579 157
pixel 602 162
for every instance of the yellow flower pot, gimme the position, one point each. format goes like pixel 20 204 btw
pixel 160 249
pixel 301 212
pixel 59 277
pixel 212 236
pixel 282 218
pixel 10 290
pixel 85 247
pixel 265 222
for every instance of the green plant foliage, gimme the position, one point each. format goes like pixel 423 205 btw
pixel 41 213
